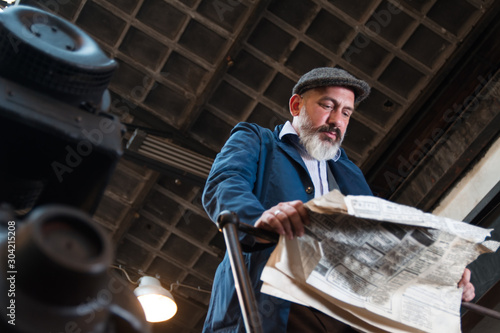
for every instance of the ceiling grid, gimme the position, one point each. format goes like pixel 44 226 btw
pixel 192 69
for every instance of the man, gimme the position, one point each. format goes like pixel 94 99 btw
pixel 265 177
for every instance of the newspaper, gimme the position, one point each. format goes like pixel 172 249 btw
pixel 376 265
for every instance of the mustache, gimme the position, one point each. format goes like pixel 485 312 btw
pixel 326 128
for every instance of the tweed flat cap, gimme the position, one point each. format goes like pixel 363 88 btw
pixel 330 76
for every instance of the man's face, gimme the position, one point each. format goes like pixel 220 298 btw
pixel 321 117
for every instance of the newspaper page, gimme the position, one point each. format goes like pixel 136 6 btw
pixel 377 265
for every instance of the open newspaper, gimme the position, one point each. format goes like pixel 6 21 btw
pixel 376 265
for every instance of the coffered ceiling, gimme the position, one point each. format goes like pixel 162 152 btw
pixel 189 70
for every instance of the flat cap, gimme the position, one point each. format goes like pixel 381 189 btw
pixel 331 76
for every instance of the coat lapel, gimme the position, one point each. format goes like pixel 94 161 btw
pixel 287 147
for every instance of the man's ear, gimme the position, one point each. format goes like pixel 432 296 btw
pixel 295 105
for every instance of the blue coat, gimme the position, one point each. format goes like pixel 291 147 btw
pixel 254 171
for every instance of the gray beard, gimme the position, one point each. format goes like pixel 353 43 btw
pixel 310 138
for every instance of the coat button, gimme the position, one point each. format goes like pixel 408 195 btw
pixel 309 190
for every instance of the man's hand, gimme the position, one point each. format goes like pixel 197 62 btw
pixel 468 292
pixel 286 218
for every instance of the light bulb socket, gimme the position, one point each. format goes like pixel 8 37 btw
pixel 151 285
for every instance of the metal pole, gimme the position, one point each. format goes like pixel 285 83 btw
pixel 228 224
pixel 481 310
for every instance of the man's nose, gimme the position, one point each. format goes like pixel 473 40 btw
pixel 336 118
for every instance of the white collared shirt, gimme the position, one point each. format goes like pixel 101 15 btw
pixel 317 169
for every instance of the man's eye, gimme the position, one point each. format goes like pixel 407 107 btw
pixel 327 107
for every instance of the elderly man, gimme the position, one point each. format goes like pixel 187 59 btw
pixel 265 177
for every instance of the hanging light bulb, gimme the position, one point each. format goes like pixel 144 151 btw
pixel 157 302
